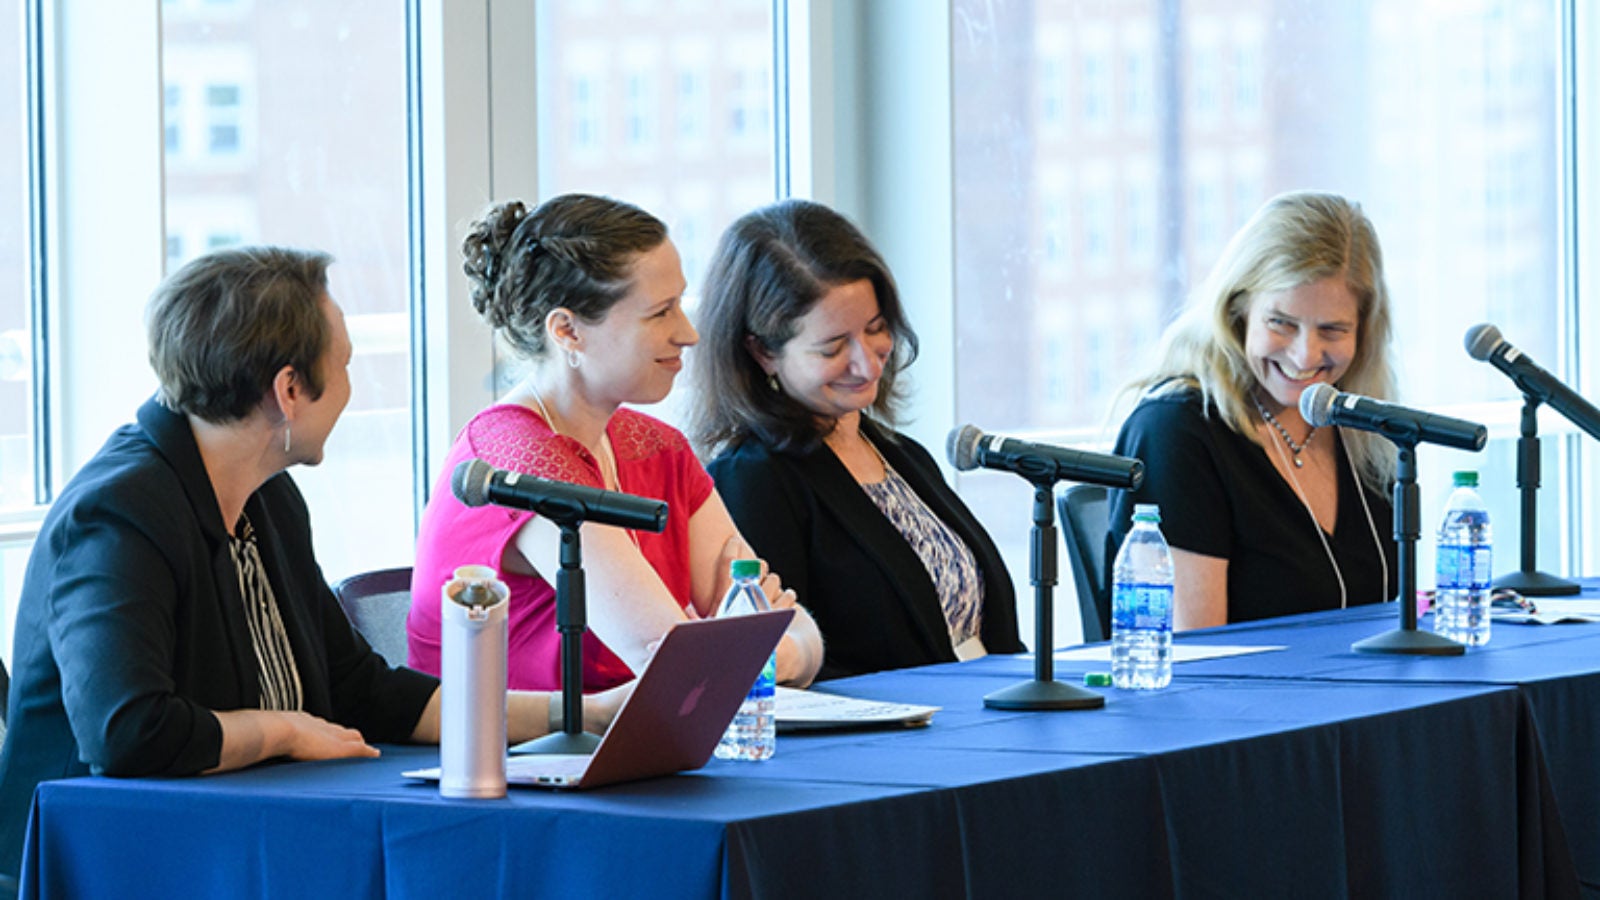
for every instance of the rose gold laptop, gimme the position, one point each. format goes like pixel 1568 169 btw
pixel 679 709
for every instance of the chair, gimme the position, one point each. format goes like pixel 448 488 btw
pixel 376 603
pixel 1086 524
pixel 5 693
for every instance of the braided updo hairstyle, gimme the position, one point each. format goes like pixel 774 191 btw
pixel 575 251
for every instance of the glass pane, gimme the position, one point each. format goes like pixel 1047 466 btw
pixel 16 339
pixel 1106 151
pixel 667 106
pixel 16 342
pixel 289 127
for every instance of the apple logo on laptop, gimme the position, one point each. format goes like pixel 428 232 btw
pixel 692 699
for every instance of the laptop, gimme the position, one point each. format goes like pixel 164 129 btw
pixel 679 708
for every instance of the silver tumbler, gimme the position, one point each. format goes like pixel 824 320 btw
pixel 472 739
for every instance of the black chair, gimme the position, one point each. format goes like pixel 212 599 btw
pixel 1086 523
pixel 376 604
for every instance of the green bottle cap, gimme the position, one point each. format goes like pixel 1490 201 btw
pixel 1097 679
pixel 1466 478
pixel 745 568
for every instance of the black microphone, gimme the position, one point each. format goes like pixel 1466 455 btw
pixel 1485 343
pixel 475 483
pixel 1323 404
pixel 968 448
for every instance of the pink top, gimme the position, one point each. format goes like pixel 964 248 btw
pixel 653 460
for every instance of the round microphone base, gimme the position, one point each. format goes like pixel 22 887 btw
pixel 1401 640
pixel 1044 695
pixel 560 742
pixel 1537 584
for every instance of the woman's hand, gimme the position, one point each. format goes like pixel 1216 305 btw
pixel 252 735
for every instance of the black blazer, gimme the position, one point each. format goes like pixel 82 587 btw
pixel 867 589
pixel 131 627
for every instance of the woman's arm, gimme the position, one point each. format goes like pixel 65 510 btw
pixel 1199 590
pixel 714 544
pixel 252 735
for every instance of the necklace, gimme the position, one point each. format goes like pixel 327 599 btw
pixel 606 458
pixel 1372 527
pixel 1294 448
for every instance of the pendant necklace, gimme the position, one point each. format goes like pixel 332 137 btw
pixel 1294 448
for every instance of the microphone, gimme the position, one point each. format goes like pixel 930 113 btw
pixel 968 448
pixel 1485 344
pixel 476 483
pixel 1323 404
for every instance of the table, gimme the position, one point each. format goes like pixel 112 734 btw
pixel 1312 772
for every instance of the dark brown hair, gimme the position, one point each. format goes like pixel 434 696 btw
pixel 221 327
pixel 575 251
pixel 770 268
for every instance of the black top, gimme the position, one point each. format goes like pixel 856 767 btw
pixel 869 592
pixel 1221 496
pixel 131 628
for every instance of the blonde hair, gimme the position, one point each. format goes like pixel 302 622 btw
pixel 1295 239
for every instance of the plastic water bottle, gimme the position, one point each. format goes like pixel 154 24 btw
pixel 754 732
pixel 1464 566
pixel 1141 606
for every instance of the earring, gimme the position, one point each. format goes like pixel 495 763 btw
pixel 772 382
pixel 287 436
pixel 572 358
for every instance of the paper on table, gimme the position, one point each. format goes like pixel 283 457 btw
pixel 1551 611
pixel 1180 652
pixel 813 710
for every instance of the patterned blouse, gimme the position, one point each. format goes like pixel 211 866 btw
pixel 280 679
pixel 947 558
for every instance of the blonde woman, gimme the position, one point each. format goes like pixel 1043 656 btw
pixel 1266 514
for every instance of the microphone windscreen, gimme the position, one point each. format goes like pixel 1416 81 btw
pixel 470 482
pixel 1316 404
pixel 1481 341
pixel 961 447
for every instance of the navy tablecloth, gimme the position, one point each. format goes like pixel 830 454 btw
pixel 1311 771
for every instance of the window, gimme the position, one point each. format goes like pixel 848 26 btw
pixel 309 112
pixel 704 168
pixel 1442 126
pixel 222 119
pixel 172 126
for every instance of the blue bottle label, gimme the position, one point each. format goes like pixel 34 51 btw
pixel 1141 607
pixel 1464 567
pixel 766 683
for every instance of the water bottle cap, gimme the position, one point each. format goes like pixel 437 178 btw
pixel 1466 478
pixel 745 568
pixel 1146 512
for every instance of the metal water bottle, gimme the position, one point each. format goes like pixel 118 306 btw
pixel 472 669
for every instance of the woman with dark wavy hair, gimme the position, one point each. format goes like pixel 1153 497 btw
pixel 799 379
pixel 587 290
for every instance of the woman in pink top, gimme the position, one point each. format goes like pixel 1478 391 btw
pixel 588 290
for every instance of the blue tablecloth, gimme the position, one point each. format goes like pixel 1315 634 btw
pixel 1312 771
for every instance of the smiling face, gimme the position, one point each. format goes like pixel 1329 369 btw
pixel 833 364
pixel 635 352
pixel 1299 337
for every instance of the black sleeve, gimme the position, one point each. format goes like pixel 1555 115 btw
pixel 760 495
pixel 1182 474
pixel 113 603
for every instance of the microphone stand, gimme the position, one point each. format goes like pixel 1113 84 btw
pixel 1407 528
pixel 1528 580
pixel 572 622
pixel 1043 692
